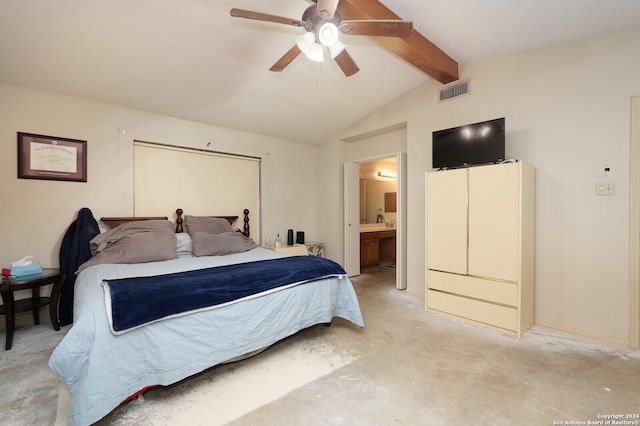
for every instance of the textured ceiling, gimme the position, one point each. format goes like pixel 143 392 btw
pixel 189 59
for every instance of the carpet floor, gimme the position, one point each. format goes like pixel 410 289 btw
pixel 406 366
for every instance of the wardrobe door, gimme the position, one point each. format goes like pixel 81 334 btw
pixel 494 246
pixel 447 221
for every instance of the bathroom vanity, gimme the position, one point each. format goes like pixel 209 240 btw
pixel 377 244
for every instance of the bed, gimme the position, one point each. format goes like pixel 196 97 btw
pixel 103 364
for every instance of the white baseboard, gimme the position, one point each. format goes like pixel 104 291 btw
pixel 585 334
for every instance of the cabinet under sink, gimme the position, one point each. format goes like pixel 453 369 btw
pixel 377 246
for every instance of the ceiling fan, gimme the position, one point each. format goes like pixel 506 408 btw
pixel 323 23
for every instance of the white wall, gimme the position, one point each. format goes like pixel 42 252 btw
pixel 567 110
pixel 35 213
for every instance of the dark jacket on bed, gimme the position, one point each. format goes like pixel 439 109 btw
pixel 74 251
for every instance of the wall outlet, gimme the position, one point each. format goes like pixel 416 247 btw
pixel 605 188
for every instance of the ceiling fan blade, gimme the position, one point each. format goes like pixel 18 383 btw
pixel 286 59
pixel 383 27
pixel 259 16
pixel 346 63
pixel 326 8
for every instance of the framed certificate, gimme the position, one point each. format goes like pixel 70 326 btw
pixel 51 158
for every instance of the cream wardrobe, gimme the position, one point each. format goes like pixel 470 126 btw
pixel 480 244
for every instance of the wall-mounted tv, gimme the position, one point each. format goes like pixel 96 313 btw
pixel 471 144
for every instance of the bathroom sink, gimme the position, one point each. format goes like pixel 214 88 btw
pixel 376 227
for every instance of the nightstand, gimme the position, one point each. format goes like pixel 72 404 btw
pixel 11 306
pixel 294 250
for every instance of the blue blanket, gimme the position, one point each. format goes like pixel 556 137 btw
pixel 141 300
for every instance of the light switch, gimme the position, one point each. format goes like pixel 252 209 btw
pixel 605 188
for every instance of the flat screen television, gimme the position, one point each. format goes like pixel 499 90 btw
pixel 471 144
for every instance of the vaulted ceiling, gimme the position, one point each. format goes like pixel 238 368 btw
pixel 192 60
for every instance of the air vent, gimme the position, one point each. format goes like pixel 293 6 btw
pixel 454 90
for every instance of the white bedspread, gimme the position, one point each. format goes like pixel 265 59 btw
pixel 101 369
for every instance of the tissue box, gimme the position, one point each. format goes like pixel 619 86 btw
pixel 21 271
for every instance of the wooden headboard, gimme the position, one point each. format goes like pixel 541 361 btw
pixel 112 222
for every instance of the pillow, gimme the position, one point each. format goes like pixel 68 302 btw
pixel 221 243
pixel 184 244
pixel 208 225
pixel 134 242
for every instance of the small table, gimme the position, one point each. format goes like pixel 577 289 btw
pixel 11 306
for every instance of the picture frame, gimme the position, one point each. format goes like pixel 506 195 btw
pixel 51 158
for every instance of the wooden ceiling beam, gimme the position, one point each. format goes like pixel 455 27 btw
pixel 416 50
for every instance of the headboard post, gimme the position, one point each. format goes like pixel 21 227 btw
pixel 246 222
pixel 179 221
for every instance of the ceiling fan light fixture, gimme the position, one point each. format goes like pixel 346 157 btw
pixel 323 24
pixel 336 49
pixel 328 34
pixel 316 53
pixel 306 41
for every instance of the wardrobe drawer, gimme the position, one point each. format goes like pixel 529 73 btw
pixel 477 288
pixel 475 310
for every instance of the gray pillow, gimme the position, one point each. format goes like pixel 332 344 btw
pixel 134 242
pixel 208 225
pixel 220 244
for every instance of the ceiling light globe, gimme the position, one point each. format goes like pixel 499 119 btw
pixel 328 34
pixel 316 53
pixel 306 41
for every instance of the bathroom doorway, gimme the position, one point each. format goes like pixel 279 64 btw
pixel 378 217
pixel 375 213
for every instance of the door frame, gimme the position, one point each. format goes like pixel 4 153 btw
pixel 634 225
pixel 401 217
pixel 351 218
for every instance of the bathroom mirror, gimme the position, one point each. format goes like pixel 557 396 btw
pixel 390 202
